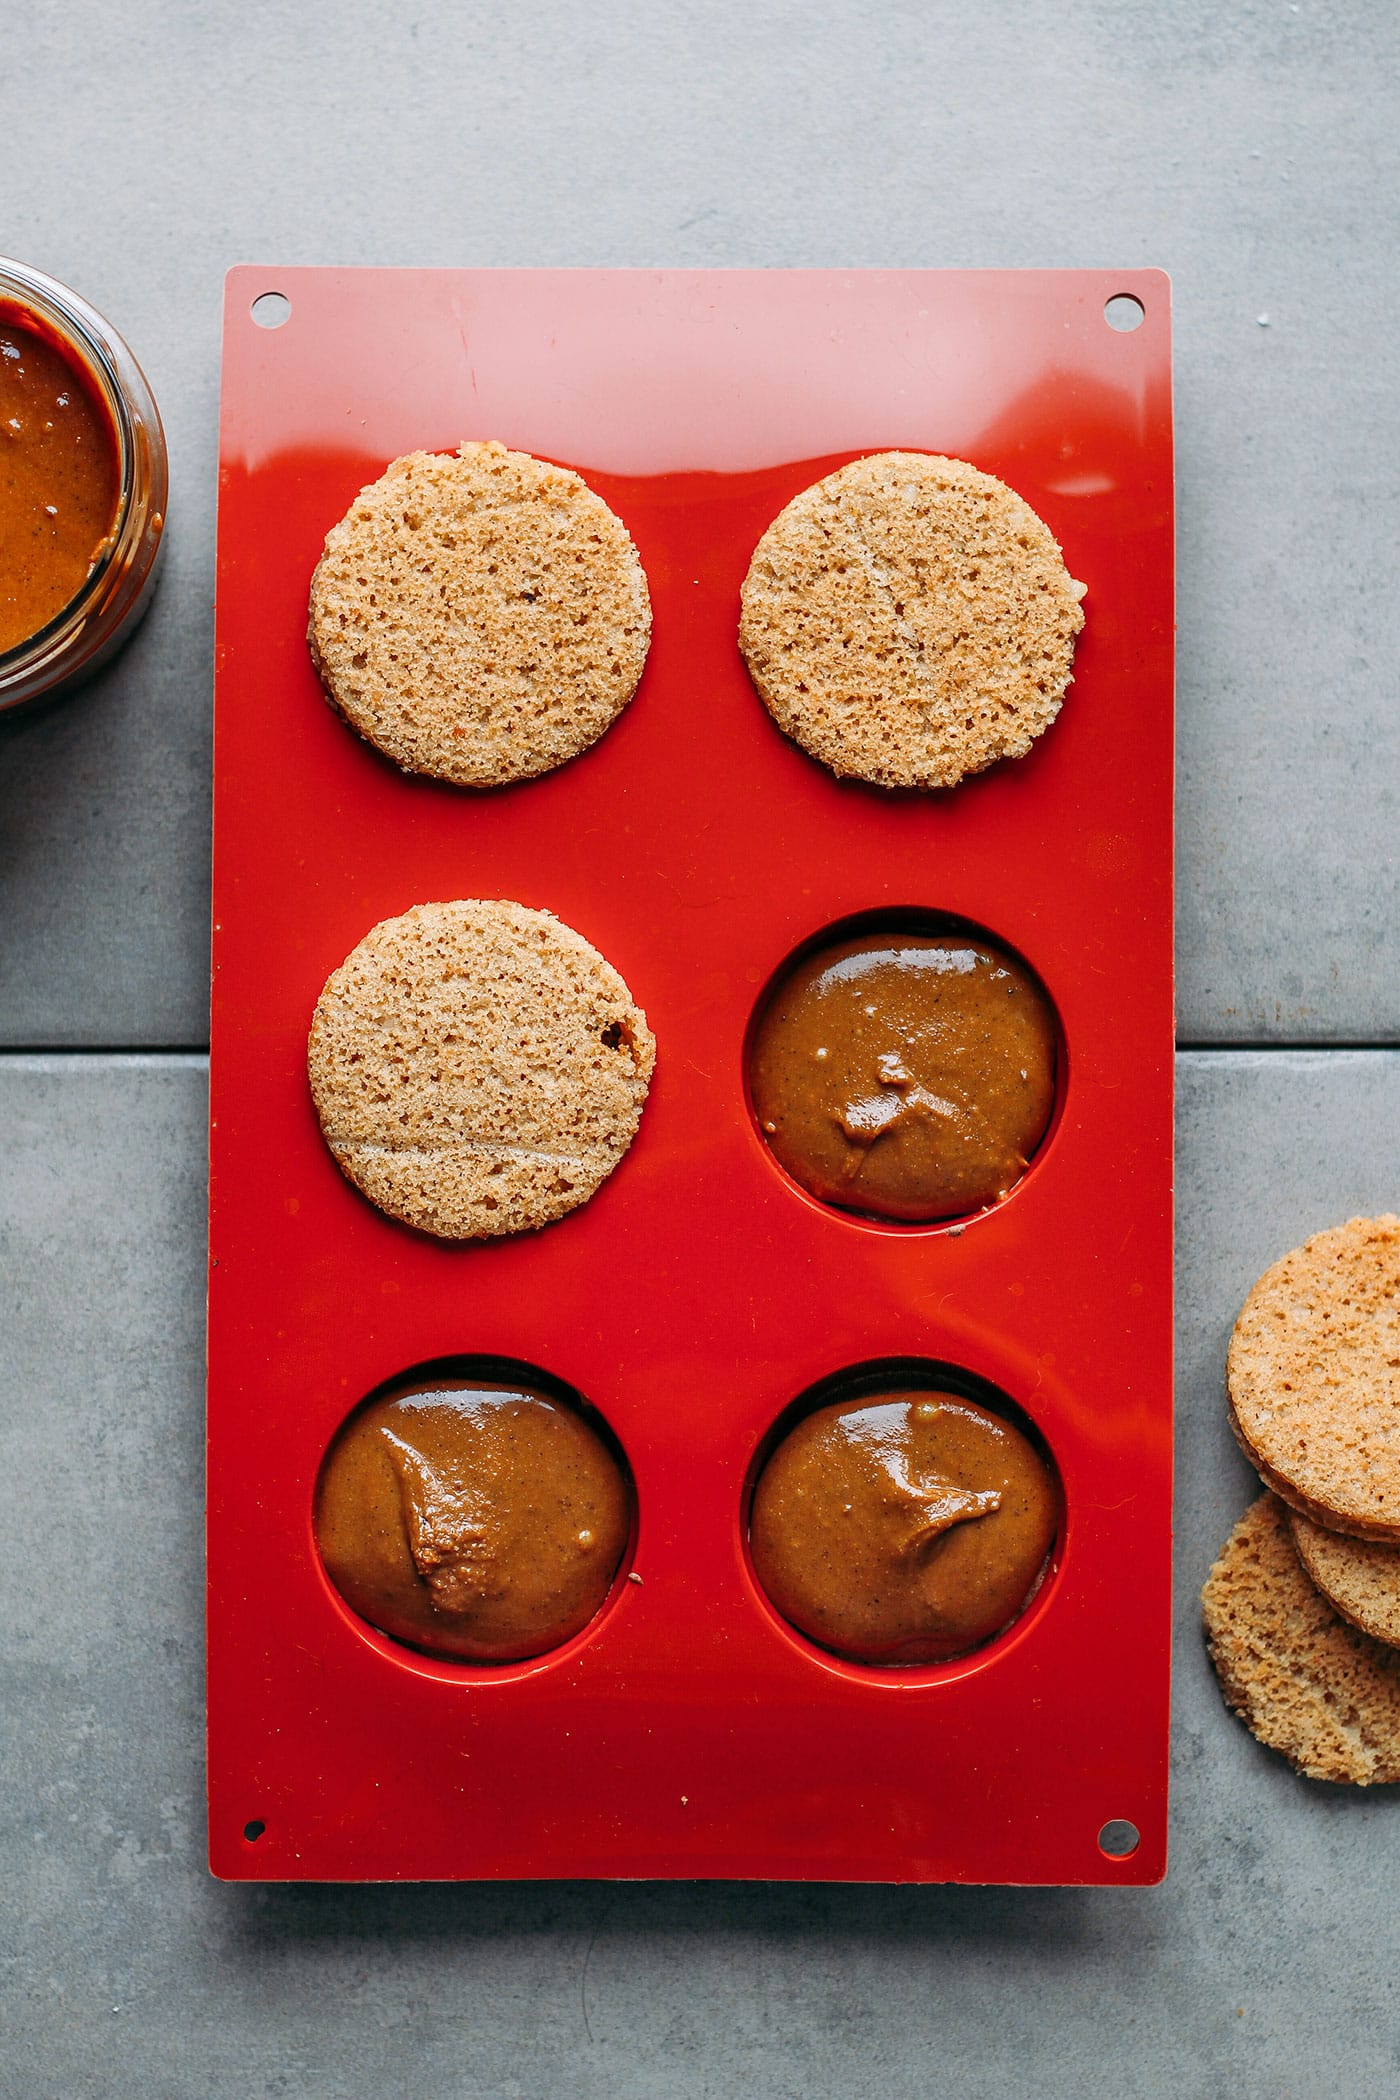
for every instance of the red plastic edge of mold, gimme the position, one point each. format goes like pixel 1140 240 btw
pixel 696 1295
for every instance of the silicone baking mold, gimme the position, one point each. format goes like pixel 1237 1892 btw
pixel 689 1731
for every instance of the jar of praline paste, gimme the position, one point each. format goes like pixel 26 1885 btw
pixel 83 483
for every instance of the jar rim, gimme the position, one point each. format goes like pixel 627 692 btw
pixel 38 662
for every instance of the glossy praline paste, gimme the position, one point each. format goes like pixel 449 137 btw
pixel 59 479
pixel 905 1075
pixel 472 1520
pixel 909 1527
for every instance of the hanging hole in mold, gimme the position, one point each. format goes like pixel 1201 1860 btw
pixel 1124 312
pixel 1119 1839
pixel 254 1830
pixel 271 309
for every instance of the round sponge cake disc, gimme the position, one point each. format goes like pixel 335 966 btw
pixel 910 620
pixel 477 1068
pixel 1300 1678
pixel 1314 1378
pixel 479 616
pixel 1360 1578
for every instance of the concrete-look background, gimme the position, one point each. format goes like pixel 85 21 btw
pixel 1250 149
pixel 1265 1965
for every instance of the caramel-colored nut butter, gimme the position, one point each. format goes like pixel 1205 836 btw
pixel 905 1076
pixel 472 1520
pixel 906 1528
pixel 59 479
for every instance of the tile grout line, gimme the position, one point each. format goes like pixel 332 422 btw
pixel 199 1052
pixel 1254 1044
pixel 173 1053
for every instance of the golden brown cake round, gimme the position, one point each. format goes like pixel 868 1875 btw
pixel 480 1521
pixel 1314 1378
pixel 909 620
pixel 478 1068
pixel 907 1076
pixel 480 616
pixel 1300 1678
pixel 906 1527
pixel 1360 1578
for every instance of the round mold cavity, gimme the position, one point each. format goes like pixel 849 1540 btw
pixel 510 1373
pixel 925 920
pixel 868 1381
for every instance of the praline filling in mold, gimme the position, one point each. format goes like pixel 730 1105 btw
pixel 905 1074
pixel 903 1526
pixel 476 1518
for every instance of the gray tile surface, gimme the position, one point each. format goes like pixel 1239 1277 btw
pixel 1251 150
pixel 1264 1967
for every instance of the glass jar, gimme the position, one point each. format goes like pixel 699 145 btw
pixel 106 607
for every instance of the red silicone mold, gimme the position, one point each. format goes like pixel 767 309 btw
pixel 689 1731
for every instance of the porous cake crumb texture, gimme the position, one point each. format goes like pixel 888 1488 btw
pixel 479 616
pixel 910 620
pixel 1360 1578
pixel 1304 1681
pixel 1314 1378
pixel 478 1068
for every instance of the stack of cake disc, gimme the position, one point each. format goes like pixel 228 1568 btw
pixel 1302 1609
